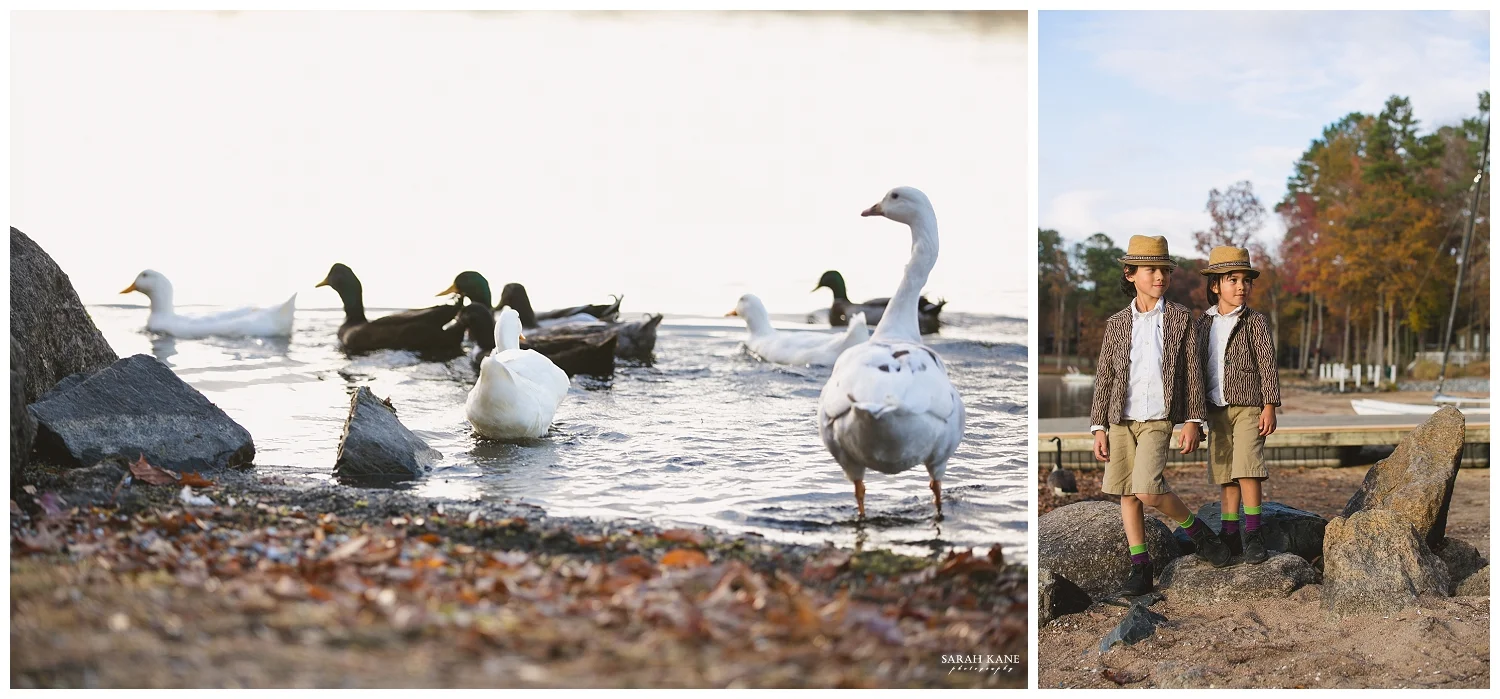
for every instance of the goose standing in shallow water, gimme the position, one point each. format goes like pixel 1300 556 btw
pixel 802 348
pixel 275 321
pixel 423 330
pixel 842 310
pixel 889 405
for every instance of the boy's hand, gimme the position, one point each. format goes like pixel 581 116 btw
pixel 1101 446
pixel 1191 433
pixel 1267 420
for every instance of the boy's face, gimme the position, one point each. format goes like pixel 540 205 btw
pixel 1150 282
pixel 1233 288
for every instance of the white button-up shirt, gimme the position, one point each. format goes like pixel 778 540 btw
pixel 1145 397
pixel 1218 343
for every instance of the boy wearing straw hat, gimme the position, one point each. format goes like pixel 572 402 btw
pixel 1148 378
pixel 1244 391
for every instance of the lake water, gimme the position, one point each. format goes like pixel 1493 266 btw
pixel 706 436
pixel 1058 399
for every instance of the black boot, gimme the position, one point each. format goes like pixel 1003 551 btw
pixel 1139 582
pixel 1232 541
pixel 1255 546
pixel 1209 547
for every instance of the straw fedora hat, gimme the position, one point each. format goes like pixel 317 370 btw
pixel 1225 259
pixel 1148 250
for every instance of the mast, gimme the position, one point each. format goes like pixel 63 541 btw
pixel 1463 258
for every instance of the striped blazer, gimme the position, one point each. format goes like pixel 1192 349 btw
pixel 1181 367
pixel 1250 376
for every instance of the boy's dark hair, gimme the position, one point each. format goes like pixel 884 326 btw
pixel 1127 287
pixel 1213 281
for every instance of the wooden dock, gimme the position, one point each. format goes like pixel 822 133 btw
pixel 1305 440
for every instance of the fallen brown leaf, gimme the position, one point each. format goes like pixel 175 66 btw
pixel 684 536
pixel 195 480
pixel 153 475
pixel 1122 677
pixel 684 558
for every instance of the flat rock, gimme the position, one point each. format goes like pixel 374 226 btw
pixel 1376 562
pixel 22 424
pixel 1085 543
pixel 1284 528
pixel 1056 596
pixel 1138 625
pixel 58 336
pixel 1461 559
pixel 1476 585
pixel 376 449
pixel 137 407
pixel 1191 579
pixel 1416 480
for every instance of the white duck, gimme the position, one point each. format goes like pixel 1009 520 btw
pixel 889 405
pixel 800 347
pixel 518 391
pixel 275 321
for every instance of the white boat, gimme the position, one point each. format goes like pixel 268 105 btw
pixel 1364 406
pixel 1075 377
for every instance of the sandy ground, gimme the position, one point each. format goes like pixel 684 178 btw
pixel 1283 643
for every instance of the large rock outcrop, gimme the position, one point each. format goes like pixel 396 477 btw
pixel 137 407
pixel 22 425
pixel 1085 543
pixel 1376 562
pixel 1191 579
pixel 1284 528
pixel 1416 480
pixel 1476 585
pixel 376 449
pixel 57 335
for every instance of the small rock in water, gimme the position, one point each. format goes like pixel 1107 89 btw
pixel 1138 625
pixel 137 407
pixel 58 336
pixel 376 448
pixel 1416 480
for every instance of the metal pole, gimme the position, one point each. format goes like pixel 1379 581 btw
pixel 1463 258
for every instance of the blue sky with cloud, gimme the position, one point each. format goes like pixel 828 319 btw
pixel 1142 113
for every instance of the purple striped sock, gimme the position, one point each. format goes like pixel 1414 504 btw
pixel 1140 559
pixel 1230 526
pixel 1252 522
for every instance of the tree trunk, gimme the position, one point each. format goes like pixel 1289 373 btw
pixel 1348 311
pixel 1306 328
pixel 1318 302
pixel 1379 338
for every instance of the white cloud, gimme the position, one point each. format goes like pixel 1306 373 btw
pixel 1299 64
pixel 1073 214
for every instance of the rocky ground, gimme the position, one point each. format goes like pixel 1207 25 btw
pixel 126 586
pixel 1442 642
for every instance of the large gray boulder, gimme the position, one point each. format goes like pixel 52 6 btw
pixel 1416 480
pixel 1461 560
pixel 1085 543
pixel 137 407
pixel 1284 528
pixel 1056 596
pixel 376 449
pixel 1375 562
pixel 58 337
pixel 22 425
pixel 1476 585
pixel 1192 579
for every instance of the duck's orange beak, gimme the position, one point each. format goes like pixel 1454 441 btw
pixel 450 290
pixel 523 337
pixel 873 211
pixel 732 313
pixel 130 288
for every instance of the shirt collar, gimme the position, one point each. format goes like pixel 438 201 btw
pixel 1135 313
pixel 1214 311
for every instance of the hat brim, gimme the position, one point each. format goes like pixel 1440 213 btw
pixel 1227 267
pixel 1148 260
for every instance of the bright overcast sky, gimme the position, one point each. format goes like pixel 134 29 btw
pixel 1142 113
pixel 681 160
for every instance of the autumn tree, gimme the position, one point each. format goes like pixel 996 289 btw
pixel 1237 216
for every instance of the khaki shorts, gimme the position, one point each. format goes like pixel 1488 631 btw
pixel 1137 455
pixel 1235 447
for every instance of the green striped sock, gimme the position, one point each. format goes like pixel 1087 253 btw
pixel 1229 523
